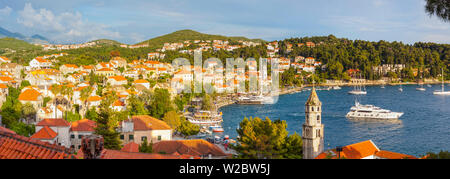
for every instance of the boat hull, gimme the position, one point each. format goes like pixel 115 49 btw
pixel 443 93
pixel 357 92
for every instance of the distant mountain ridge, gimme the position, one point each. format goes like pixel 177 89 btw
pixel 183 35
pixel 33 39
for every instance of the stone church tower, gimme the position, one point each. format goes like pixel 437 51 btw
pixel 312 133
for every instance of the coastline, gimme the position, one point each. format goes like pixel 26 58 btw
pixel 284 91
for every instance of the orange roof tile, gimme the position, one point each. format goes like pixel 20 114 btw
pixel 44 133
pixel 118 78
pixel 53 122
pixel 393 155
pixel 94 98
pixel 13 146
pixel 116 154
pixel 195 147
pixel 145 122
pixel 29 95
pixel 83 125
pixel 118 103
pixel 130 147
pixel 3 86
pixel 140 81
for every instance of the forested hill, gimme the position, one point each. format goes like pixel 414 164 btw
pixel 340 54
pixel 183 35
pixel 16 44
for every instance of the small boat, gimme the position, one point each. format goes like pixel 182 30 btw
pixel 216 128
pixel 383 87
pixel 429 86
pixel 358 90
pixel 401 88
pixel 442 91
pixel 336 87
pixel 421 89
pixel 219 129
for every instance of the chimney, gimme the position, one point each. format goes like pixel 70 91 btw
pixel 92 146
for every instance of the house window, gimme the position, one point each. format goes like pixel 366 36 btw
pixel 159 137
pixel 72 136
pixel 131 137
pixel 318 118
pixel 143 138
pixel 121 137
pixel 80 136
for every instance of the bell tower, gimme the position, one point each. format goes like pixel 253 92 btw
pixel 312 131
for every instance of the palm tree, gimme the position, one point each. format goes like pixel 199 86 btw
pixel 84 95
pixel 440 8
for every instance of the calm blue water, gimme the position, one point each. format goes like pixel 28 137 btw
pixel 424 127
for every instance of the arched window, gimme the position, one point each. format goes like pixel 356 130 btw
pixel 318 118
pixel 312 108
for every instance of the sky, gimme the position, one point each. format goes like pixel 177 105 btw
pixel 134 21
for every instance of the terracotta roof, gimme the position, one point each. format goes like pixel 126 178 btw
pixel 140 81
pixel 41 60
pixel 29 95
pixel 130 147
pixel 6 78
pixel 71 65
pixel 4 129
pixel 83 125
pixel 54 122
pixel 94 98
pixel 88 66
pixel 118 78
pixel 116 154
pixel 44 133
pixel 105 69
pixel 3 86
pixel 145 122
pixel 196 147
pixel 355 151
pixel 4 58
pixel 393 155
pixel 118 103
pixel 13 146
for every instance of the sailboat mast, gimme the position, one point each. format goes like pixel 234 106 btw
pixel 442 79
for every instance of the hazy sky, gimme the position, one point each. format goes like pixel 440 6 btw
pixel 133 21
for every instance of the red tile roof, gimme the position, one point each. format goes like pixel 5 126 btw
pixel 145 122
pixel 4 129
pixel 196 147
pixel 54 122
pixel 361 150
pixel 393 155
pixel 116 154
pixel 44 133
pixel 29 95
pixel 83 125
pixel 13 146
pixel 130 147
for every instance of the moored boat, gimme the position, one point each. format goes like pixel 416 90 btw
pixel 365 112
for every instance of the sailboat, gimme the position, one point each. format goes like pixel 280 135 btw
pixel 442 92
pixel 421 85
pixel 357 90
pixel 401 88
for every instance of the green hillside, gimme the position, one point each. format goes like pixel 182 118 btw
pixel 106 42
pixel 183 35
pixel 15 44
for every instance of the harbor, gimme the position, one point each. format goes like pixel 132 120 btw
pixel 411 131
